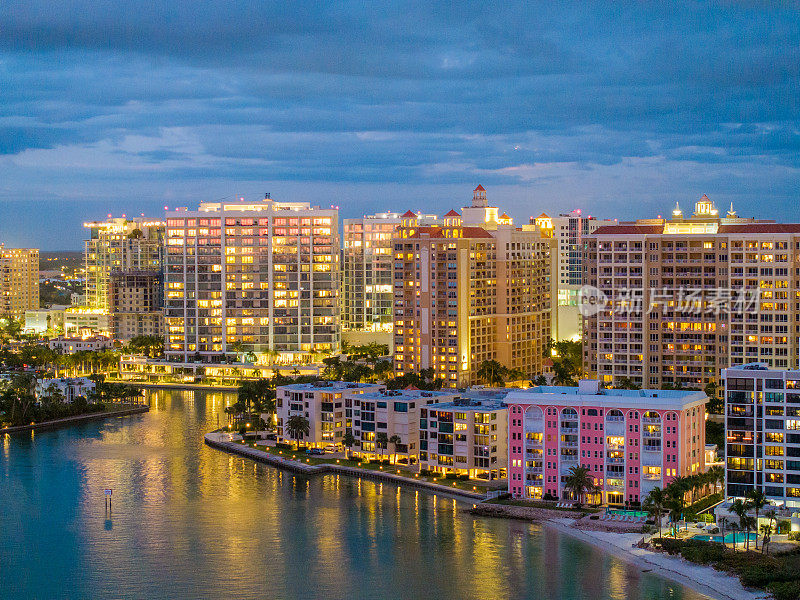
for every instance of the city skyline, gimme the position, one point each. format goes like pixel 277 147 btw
pixel 620 110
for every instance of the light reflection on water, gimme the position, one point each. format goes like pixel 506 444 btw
pixel 189 522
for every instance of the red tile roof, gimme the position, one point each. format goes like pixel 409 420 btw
pixel 504 216
pixel 408 213
pixel 479 188
pixel 761 228
pixel 466 232
pixel 452 213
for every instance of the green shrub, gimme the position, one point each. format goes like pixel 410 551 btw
pixel 463 477
pixel 451 476
pixel 785 590
pixel 794 536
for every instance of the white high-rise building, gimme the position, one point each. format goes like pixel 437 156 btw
pixel 258 278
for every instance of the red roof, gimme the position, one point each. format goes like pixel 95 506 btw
pixel 504 216
pixel 761 228
pixel 452 213
pixel 479 188
pixel 410 387
pixel 408 213
pixel 475 232
pixel 466 232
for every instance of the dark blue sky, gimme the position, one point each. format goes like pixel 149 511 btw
pixel 618 108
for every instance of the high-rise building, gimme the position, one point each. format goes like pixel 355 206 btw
pixel 467 292
pixel 679 299
pixel 122 254
pixel 630 440
pixel 566 259
pixel 252 277
pixel 762 432
pixel 367 263
pixel 19 281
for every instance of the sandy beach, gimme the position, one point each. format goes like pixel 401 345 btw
pixel 703 579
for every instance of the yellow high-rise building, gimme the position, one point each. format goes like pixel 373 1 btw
pixel 19 286
pixel 469 292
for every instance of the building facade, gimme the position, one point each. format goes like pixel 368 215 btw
pixel 630 440
pixel 466 436
pixel 323 405
pixel 391 413
pixel 677 300
pixel 136 304
pixel 465 294
pixel 762 425
pixel 19 281
pixel 567 232
pixel 260 277
pixel 367 264
pixel 120 253
pixel 70 345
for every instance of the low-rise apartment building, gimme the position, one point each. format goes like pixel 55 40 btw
pixel 762 426
pixel 466 436
pixel 393 413
pixel 322 404
pixel 630 440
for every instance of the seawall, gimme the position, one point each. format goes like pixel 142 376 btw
pixel 212 439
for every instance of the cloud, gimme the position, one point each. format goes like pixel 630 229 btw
pixel 172 98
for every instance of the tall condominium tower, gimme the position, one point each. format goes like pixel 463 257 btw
pixel 367 290
pixel 124 279
pixel 252 277
pixel 19 281
pixel 467 293
pixel 566 258
pixel 679 299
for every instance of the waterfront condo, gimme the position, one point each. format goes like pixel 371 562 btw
pixel 391 415
pixel 472 290
pixel 762 425
pixel 252 278
pixel 467 435
pixel 630 440
pixel 323 405
pixel 688 296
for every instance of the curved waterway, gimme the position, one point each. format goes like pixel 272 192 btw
pixel 188 521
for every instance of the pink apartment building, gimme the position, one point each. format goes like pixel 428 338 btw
pixel 630 440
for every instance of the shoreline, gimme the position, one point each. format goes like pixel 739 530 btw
pixel 175 386
pixel 77 419
pixel 332 469
pixel 700 578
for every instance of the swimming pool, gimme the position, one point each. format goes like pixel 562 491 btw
pixel 627 513
pixel 729 538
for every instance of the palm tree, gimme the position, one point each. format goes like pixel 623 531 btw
pixel 394 440
pixel 491 373
pixel 349 441
pixel 297 427
pixel 381 440
pixel 758 500
pixel 579 482
pixel 654 503
pixel 740 508
pixel 677 489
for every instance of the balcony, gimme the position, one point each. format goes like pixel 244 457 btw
pixel 652 449
pixel 569 444
pixel 615 461
pixel 615 419
pixel 569 430
pixel 569 458
pixel 651 435
pixel 651 421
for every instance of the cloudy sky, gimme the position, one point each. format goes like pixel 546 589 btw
pixel 620 109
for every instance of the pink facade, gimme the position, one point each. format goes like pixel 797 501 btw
pixel 630 440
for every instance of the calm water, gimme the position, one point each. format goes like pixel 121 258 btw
pixel 191 522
